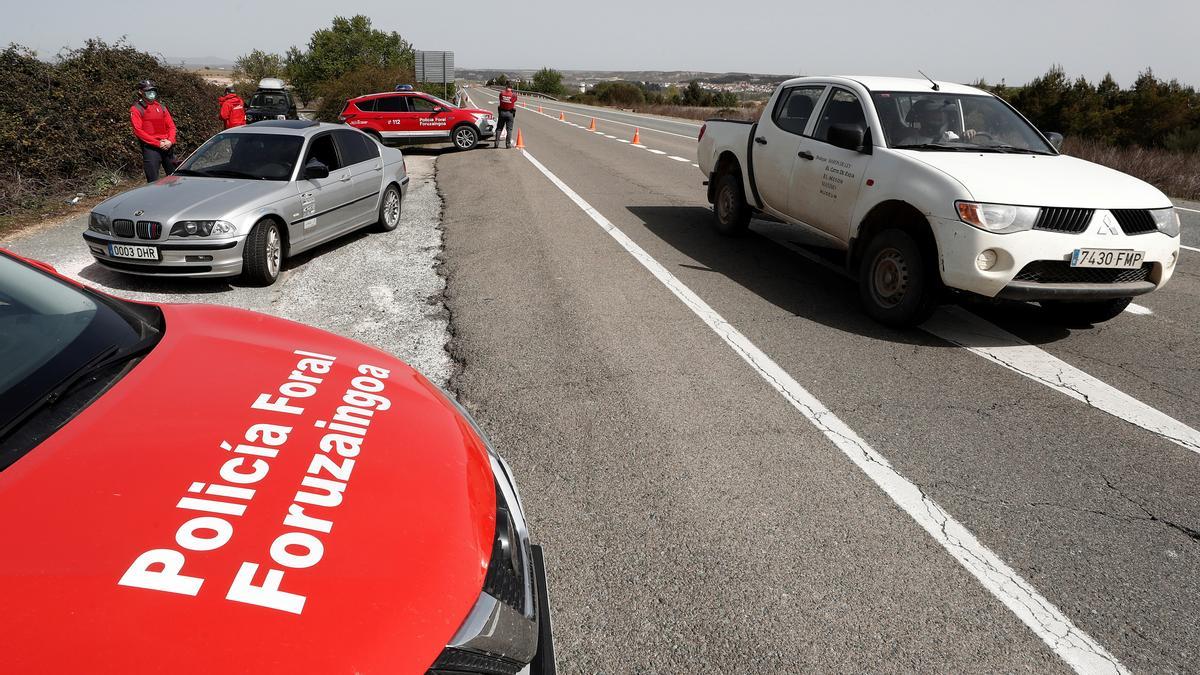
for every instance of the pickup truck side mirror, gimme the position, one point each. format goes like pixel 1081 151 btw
pixel 1055 139
pixel 315 168
pixel 849 137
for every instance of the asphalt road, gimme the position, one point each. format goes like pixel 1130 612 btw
pixel 696 519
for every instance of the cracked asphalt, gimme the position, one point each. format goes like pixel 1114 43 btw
pixel 695 521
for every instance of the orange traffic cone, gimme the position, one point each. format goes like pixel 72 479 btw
pixel 562 117
pixel 520 140
pixel 592 126
pixel 637 136
pixel 539 109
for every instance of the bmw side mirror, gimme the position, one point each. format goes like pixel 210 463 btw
pixel 1055 139
pixel 849 137
pixel 314 169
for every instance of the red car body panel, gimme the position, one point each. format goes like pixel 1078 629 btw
pixel 408 116
pixel 383 590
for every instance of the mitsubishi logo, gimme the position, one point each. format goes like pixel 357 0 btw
pixel 1108 225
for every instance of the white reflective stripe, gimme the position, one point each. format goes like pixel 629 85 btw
pixel 415 134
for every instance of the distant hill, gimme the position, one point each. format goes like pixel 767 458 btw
pixel 659 76
pixel 199 61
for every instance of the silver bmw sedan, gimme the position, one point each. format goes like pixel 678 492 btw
pixel 249 198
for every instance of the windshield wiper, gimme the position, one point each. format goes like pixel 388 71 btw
pixel 192 172
pixel 231 173
pixel 84 375
pixel 932 146
pixel 1015 150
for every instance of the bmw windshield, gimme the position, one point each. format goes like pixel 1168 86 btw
pixel 59 346
pixel 245 155
pixel 933 121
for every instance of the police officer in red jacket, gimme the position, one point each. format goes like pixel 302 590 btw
pixel 506 116
pixel 153 126
pixel 233 110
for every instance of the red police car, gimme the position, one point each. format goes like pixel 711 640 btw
pixel 200 489
pixel 417 117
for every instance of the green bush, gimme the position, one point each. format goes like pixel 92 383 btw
pixel 67 120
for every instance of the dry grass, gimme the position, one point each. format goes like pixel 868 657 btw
pixel 25 202
pixel 701 113
pixel 1175 173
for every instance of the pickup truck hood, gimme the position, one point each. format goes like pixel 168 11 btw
pixel 181 197
pixel 402 564
pixel 1042 180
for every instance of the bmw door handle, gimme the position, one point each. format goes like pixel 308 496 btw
pixel 760 140
pixel 345 178
pixel 804 154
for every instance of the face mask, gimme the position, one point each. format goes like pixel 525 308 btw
pixel 151 95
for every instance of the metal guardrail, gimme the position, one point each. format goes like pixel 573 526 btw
pixel 533 94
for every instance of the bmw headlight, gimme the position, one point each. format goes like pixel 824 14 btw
pixel 1167 221
pixel 998 218
pixel 202 228
pixel 98 222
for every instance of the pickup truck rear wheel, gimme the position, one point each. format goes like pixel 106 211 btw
pixel 730 207
pixel 896 283
pixel 1083 313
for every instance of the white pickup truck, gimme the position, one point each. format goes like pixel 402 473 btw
pixel 929 186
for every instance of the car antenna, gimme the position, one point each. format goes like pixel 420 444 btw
pixel 936 87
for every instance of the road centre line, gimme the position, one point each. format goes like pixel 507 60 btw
pixel 679 159
pixel 1184 208
pixel 1055 629
pixel 958 326
pixel 1190 248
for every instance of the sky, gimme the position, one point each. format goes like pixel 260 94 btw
pixel 962 40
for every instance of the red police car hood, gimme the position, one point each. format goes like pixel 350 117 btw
pixel 378 547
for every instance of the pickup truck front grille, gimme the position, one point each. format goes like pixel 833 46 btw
pixel 1061 272
pixel 1135 221
pixel 1056 219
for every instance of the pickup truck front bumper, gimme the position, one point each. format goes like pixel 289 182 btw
pixel 1035 265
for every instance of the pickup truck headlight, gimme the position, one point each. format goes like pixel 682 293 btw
pixel 997 218
pixel 98 222
pixel 202 228
pixel 1167 221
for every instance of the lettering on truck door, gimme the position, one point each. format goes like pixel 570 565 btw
pixel 776 142
pixel 827 178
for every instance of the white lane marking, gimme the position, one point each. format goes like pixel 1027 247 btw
pixel 610 136
pixel 1190 248
pixel 1071 644
pixel 680 159
pixel 637 145
pixel 695 165
pixel 956 325
pixel 1184 208
pixel 657 152
pixel 622 140
pixel 1135 308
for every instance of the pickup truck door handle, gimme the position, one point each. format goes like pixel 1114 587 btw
pixel 804 154
pixel 760 140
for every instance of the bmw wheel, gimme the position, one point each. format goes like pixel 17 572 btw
pixel 262 257
pixel 389 210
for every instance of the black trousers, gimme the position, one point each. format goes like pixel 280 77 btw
pixel 154 157
pixel 504 120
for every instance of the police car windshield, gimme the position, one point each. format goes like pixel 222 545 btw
pixel 245 155
pixel 439 101
pixel 933 121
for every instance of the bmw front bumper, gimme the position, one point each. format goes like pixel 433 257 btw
pixel 178 258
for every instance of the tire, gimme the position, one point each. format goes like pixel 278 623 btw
pixel 731 213
pixel 262 257
pixel 1085 313
pixel 390 204
pixel 464 137
pixel 897 283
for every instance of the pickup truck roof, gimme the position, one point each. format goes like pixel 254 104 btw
pixel 877 83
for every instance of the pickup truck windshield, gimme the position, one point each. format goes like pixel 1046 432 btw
pixel 243 155
pixel 937 122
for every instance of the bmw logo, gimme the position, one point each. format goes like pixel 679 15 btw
pixel 138 212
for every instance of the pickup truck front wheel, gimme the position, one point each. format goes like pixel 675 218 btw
pixel 896 284
pixel 730 207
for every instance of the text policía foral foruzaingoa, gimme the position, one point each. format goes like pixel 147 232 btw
pixel 311 514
